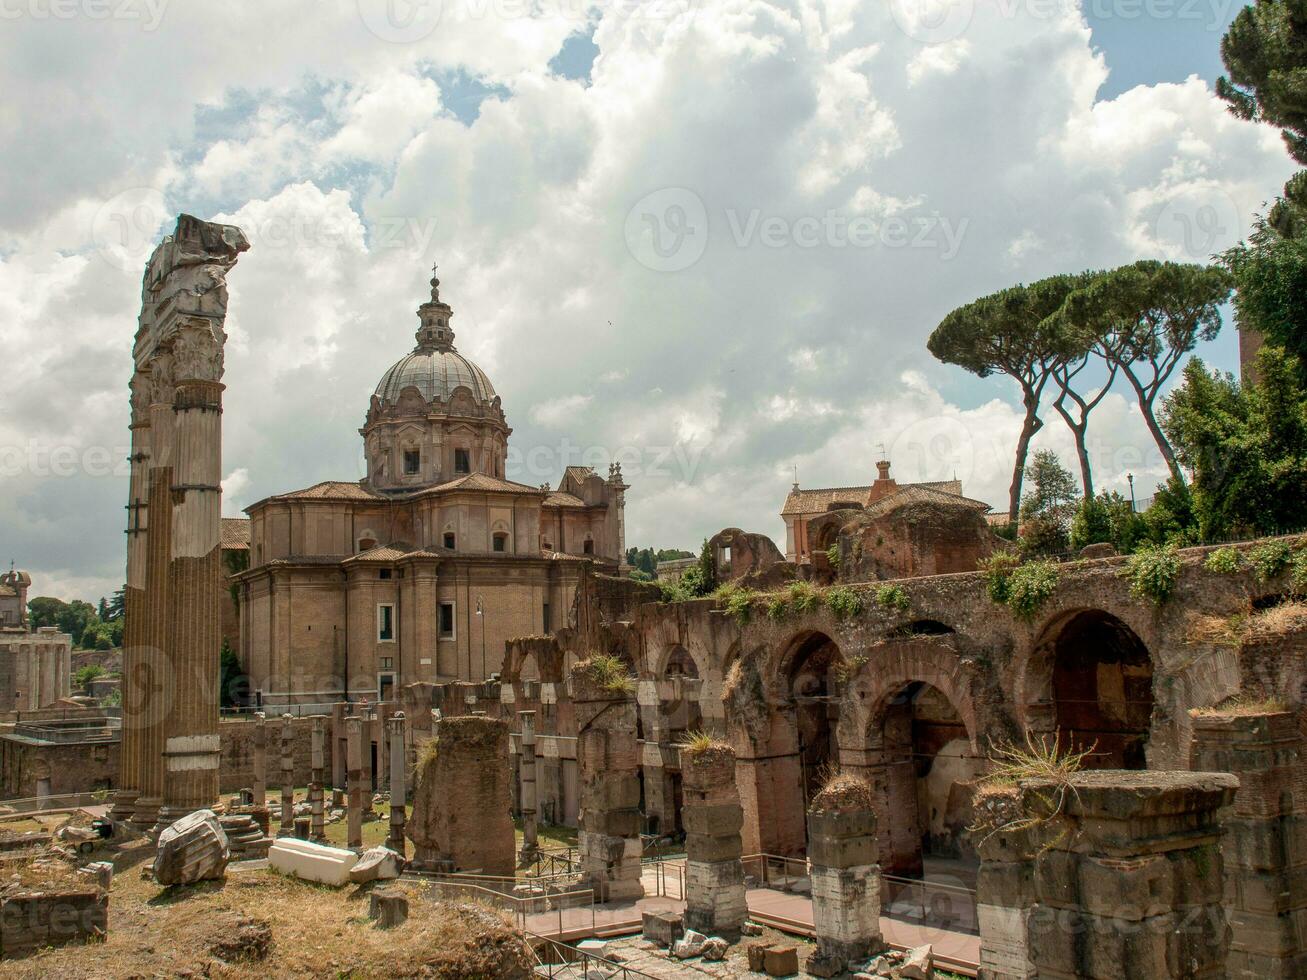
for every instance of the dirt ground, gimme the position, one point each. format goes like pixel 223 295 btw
pixel 261 924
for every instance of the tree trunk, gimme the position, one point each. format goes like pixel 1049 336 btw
pixel 1031 425
pixel 1078 433
pixel 1159 437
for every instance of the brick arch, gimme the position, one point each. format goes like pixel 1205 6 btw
pixel 893 665
pixel 799 644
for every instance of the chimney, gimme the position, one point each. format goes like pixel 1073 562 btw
pixel 884 485
pixel 882 470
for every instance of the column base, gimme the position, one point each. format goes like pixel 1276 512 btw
pixel 145 814
pixel 124 805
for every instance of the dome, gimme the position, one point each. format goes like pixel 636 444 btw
pixel 435 374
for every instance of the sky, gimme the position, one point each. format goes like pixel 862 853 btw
pixel 706 238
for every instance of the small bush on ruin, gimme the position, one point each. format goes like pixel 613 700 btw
pixel 846 669
pixel 609 673
pixel 1153 572
pixel 778 608
pixel 1298 572
pixel 998 567
pixel 833 556
pixel 1270 559
pixel 893 598
pixel 1029 586
pixel 698 742
pixel 803 597
pixel 1224 561
pixel 737 601
pixel 842 792
pixel 1041 757
pixel 844 602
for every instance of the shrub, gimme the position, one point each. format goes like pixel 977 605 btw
pixel 609 673
pixel 893 597
pixel 849 668
pixel 1224 561
pixel 87 674
pixel 777 608
pixel 1029 586
pixel 803 597
pixel 833 556
pixel 844 602
pixel 1298 572
pixel 997 568
pixel 1270 559
pixel 737 601
pixel 1152 572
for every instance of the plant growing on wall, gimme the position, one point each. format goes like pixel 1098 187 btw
pixel 844 602
pixel 1153 572
pixel 833 556
pixel 1224 561
pixel 998 568
pixel 778 608
pixel 610 673
pixel 1029 586
pixel 803 597
pixel 893 598
pixel 1298 572
pixel 737 601
pixel 1270 559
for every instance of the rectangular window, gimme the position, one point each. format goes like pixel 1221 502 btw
pixel 387 663
pixel 383 573
pixel 546 618
pixel 385 623
pixel 462 461
pixel 446 620
pixel 412 461
pixel 449 540
pixel 500 541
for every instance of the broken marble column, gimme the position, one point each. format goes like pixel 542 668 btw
pixel 286 825
pixel 354 778
pixel 607 760
pixel 842 852
pixel 462 805
pixel 1265 833
pixel 712 817
pixel 1130 877
pixel 527 780
pixel 260 760
pixel 317 753
pixel 398 783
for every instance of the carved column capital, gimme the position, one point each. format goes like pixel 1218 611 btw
pixel 159 375
pixel 197 351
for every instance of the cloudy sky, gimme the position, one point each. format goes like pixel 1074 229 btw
pixel 706 237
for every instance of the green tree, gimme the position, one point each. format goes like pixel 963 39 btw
pixel 1048 506
pixel 1247 446
pixel 231 679
pixel 68 617
pixel 1270 276
pixel 1148 316
pixel 1010 332
pixel 1265 53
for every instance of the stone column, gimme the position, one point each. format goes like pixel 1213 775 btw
pixel 842 850
pixel 712 815
pixel 149 706
pixel 260 754
pixel 461 818
pixel 170 691
pixel 607 762
pixel 398 770
pixel 130 752
pixel 317 750
pixel 354 778
pixel 1005 887
pixel 286 826
pixel 1129 879
pixel 1263 849
pixel 530 842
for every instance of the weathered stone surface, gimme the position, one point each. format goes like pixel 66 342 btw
pixel 388 908
pixel 917 965
pixel 32 920
pixel 715 948
pixel 663 928
pixel 690 944
pixel 377 864
pixel 192 849
pixel 781 961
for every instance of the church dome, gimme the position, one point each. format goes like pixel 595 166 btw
pixel 435 368
pixel 435 374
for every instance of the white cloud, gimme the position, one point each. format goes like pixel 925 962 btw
pixel 341 161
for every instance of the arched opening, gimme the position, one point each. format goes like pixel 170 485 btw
pixel 814 691
pixel 684 713
pixel 924 627
pixel 1102 689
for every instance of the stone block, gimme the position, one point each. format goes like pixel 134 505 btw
pixel 388 908
pixel 190 850
pixel 689 945
pixel 377 864
pixel 781 961
pixel 832 824
pixel 757 956
pixel 713 819
pixel 710 850
pixel 312 862
pixel 663 928
pixel 33 920
pixel 845 852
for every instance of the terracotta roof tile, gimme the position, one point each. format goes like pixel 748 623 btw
pixel 235 534
pixel 923 494
pixel 331 490
pixel 481 482
pixel 819 501
pixel 560 499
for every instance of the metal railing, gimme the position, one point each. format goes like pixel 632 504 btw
pixel 569 962
pixel 43 804
pixel 775 870
pixel 555 861
pixel 926 902
pixel 668 879
pixel 277 710
pixel 563 913
pixel 70 732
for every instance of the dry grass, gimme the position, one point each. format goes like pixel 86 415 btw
pixel 1041 758
pixel 841 793
pixel 696 743
pixel 1241 707
pixel 608 672
pixel 1281 620
pixel 316 931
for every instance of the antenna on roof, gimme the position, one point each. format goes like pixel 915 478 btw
pixel 796 476
pixel 881 447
